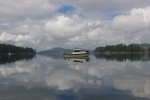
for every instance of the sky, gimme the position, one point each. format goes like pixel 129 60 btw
pixel 45 24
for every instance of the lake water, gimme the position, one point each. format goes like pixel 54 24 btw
pixel 51 77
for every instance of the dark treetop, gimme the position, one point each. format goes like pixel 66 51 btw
pixel 123 48
pixel 7 48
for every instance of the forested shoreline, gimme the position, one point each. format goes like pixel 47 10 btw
pixel 12 49
pixel 122 48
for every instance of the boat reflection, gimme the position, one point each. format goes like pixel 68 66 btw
pixel 78 59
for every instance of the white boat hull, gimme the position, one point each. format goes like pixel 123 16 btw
pixel 76 55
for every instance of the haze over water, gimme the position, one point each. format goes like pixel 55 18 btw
pixel 51 77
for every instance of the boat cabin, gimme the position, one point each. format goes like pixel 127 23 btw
pixel 77 50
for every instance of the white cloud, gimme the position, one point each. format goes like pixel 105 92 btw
pixel 137 20
pixel 102 4
pixel 21 9
pixel 87 26
pixel 64 27
pixel 9 37
pixel 20 40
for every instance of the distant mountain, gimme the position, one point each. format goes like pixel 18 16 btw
pixel 55 50
pixel 144 45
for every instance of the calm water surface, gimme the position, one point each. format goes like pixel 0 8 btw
pixel 51 77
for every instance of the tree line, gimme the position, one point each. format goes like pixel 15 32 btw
pixel 122 48
pixel 7 48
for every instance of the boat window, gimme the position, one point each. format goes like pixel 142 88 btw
pixel 77 50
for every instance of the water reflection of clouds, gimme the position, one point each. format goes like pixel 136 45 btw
pixel 64 75
pixel 22 93
pixel 64 79
pixel 138 85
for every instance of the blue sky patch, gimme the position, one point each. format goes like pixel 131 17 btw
pixel 66 9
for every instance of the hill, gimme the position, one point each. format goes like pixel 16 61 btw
pixel 55 50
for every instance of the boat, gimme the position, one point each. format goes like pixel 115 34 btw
pixel 77 53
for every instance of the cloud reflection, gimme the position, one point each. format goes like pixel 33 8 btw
pixel 60 75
